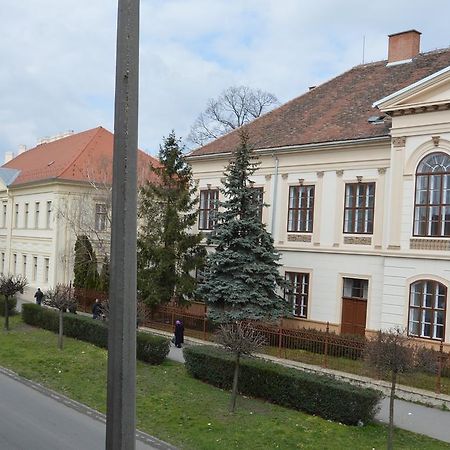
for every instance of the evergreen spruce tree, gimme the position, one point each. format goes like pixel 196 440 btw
pixel 241 276
pixel 168 253
pixel 85 266
pixel 103 282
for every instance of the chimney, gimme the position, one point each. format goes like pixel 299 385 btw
pixel 403 46
pixel 8 156
pixel 22 148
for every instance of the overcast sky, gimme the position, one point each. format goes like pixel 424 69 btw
pixel 57 57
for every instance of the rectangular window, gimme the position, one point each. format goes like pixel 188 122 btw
pixel 359 208
pixel 100 217
pixel 258 193
pixel 35 267
pixel 24 261
pixel 5 209
pixel 296 292
pixel 208 206
pixel 26 215
pixel 301 208
pixel 3 262
pixel 49 214
pixel 14 264
pixel 36 214
pixel 47 269
pixel 16 216
pixel 355 288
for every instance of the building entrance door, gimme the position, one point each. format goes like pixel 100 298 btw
pixel 354 306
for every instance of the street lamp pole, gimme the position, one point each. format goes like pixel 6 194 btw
pixel 121 390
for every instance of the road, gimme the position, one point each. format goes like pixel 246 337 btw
pixel 35 418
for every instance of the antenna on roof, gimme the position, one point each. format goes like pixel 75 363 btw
pixel 363 47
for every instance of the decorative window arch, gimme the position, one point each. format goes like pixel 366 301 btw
pixel 432 197
pixel 427 309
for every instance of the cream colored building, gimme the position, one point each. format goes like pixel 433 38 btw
pixel 49 195
pixel 356 173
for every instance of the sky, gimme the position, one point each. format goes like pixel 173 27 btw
pixel 57 57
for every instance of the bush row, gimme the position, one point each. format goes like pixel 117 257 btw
pixel 315 394
pixel 12 303
pixel 149 348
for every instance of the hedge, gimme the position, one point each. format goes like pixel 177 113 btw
pixel 315 394
pixel 12 303
pixel 149 348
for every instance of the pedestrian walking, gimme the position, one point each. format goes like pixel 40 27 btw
pixel 97 310
pixel 39 295
pixel 179 333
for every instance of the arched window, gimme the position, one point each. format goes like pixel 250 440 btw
pixel 432 201
pixel 427 305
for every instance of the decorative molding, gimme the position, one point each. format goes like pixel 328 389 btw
pixel 268 177
pixel 359 178
pixel 284 176
pixel 382 170
pixel 222 180
pixel 358 240
pixel 436 140
pixel 301 181
pixel 208 186
pixel 299 238
pixel 320 174
pixel 399 142
pixel 393 247
pixel 429 244
pixel 339 173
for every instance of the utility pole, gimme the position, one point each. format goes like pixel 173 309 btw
pixel 121 394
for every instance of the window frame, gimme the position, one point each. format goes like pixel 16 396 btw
pixel 304 298
pixel 101 217
pixel 432 309
pixel 212 204
pixel 356 209
pixel 427 205
pixel 301 210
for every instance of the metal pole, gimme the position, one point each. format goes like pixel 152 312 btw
pixel 121 391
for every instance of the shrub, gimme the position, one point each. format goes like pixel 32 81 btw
pixel 149 348
pixel 12 303
pixel 315 394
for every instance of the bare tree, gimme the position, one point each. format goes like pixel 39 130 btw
pixel 234 107
pixel 9 286
pixel 60 297
pixel 240 339
pixel 391 352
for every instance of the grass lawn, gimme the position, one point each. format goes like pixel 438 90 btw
pixel 180 410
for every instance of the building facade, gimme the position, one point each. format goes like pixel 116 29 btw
pixel 50 194
pixel 356 173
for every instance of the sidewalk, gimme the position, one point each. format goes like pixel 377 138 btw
pixel 430 421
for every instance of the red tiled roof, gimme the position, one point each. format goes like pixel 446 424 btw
pixel 337 110
pixel 85 156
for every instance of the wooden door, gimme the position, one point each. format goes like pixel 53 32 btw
pixel 353 316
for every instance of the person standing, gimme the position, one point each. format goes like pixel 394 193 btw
pixel 39 295
pixel 97 309
pixel 179 333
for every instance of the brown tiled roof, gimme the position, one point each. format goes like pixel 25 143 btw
pixel 337 110
pixel 85 156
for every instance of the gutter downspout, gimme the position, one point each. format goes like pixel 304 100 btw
pixel 274 195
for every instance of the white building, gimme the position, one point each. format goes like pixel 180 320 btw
pixel 51 193
pixel 357 175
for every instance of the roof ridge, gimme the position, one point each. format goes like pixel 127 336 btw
pixel 81 152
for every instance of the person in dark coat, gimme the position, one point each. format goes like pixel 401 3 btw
pixel 179 333
pixel 39 295
pixel 97 309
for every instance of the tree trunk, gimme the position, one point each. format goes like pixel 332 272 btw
pixel 60 335
pixel 6 314
pixel 235 384
pixel 390 445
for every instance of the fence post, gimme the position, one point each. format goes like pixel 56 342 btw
pixel 325 350
pixel 439 368
pixel 280 340
pixel 204 328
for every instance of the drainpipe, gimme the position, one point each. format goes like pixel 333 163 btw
pixel 274 195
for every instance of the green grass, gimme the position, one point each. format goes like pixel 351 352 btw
pixel 416 379
pixel 181 410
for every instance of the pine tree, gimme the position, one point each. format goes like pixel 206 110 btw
pixel 85 266
pixel 168 253
pixel 241 276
